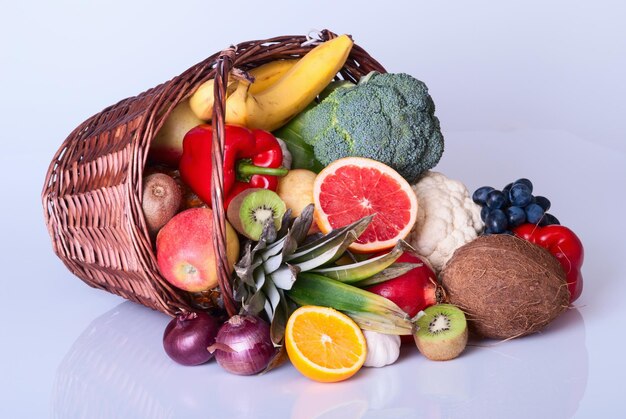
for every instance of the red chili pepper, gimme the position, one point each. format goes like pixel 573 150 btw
pixel 564 245
pixel 252 159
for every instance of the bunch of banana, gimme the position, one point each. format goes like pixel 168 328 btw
pixel 264 76
pixel 280 90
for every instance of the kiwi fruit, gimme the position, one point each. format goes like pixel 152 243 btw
pixel 442 333
pixel 162 198
pixel 250 209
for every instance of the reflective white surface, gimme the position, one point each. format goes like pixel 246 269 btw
pixel 117 359
pixel 115 369
pixel 524 90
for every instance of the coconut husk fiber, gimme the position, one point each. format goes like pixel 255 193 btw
pixel 507 286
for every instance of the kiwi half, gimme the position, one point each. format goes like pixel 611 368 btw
pixel 442 333
pixel 249 210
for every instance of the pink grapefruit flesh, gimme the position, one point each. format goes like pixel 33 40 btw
pixel 353 187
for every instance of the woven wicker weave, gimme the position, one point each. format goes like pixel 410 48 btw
pixel 93 189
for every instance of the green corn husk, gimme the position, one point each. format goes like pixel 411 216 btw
pixel 370 311
pixel 360 271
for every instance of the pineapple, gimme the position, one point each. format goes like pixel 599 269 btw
pixel 269 271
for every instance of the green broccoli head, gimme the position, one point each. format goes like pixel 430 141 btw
pixel 386 117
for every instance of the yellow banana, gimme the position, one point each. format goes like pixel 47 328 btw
pixel 268 74
pixel 274 106
pixel 236 111
pixel 201 101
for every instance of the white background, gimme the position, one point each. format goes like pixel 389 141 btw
pixel 522 88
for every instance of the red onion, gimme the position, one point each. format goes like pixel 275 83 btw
pixel 187 337
pixel 243 345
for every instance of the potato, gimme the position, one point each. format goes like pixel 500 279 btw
pixel 296 189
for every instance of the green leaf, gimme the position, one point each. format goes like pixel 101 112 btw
pixel 279 322
pixel 331 240
pixel 267 237
pixel 302 224
pixel 362 270
pixel 285 276
pixel 293 236
pixel 394 271
pixel 256 303
pixel 380 324
pixel 285 223
pixel 273 263
pixel 323 255
pixel 272 298
pixel 259 278
pixel 302 154
pixel 272 250
pixel 314 289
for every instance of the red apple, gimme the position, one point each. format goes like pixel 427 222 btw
pixel 185 252
pixel 413 291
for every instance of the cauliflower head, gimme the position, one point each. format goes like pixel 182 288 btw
pixel 447 218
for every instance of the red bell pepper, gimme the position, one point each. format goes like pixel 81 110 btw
pixel 252 159
pixel 564 245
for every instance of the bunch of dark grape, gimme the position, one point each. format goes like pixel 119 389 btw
pixel 514 205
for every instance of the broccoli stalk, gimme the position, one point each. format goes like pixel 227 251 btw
pixel 386 117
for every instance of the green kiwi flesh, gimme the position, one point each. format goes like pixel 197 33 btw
pixel 249 210
pixel 442 333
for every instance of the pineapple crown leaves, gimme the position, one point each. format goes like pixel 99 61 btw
pixel 260 273
pixel 269 267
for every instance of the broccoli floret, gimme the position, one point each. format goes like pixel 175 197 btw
pixel 386 117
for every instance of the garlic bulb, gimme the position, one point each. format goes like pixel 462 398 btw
pixel 382 349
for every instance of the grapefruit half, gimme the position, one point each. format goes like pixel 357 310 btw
pixel 351 188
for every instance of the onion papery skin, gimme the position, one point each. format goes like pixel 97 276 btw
pixel 243 345
pixel 187 337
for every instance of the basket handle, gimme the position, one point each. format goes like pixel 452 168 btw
pixel 224 64
pixel 359 63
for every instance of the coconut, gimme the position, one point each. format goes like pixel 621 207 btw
pixel 507 286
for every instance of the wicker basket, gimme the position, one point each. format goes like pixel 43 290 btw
pixel 93 189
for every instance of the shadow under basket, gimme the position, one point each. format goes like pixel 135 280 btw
pixel 93 188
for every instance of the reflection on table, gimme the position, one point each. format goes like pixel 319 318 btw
pixel 117 368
